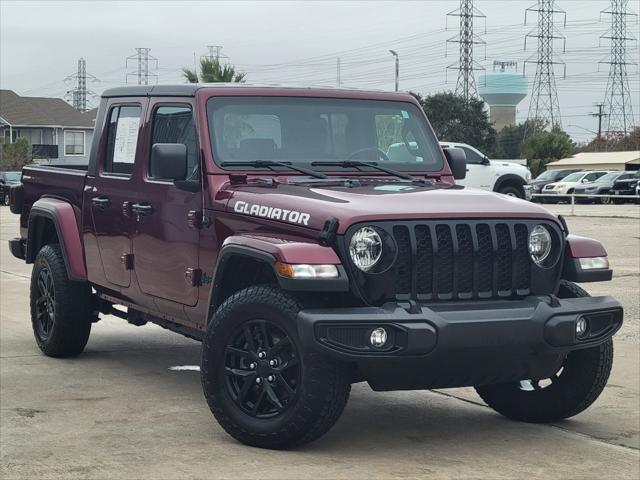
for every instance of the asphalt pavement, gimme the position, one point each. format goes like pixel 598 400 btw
pixel 120 411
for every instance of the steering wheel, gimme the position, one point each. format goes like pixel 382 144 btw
pixel 380 153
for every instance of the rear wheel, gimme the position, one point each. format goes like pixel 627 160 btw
pixel 262 386
pixel 61 311
pixel 573 388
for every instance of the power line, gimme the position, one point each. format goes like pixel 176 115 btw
pixel 78 95
pixel 617 96
pixel 143 58
pixel 544 104
pixel 466 83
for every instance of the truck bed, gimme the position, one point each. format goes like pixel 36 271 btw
pixel 63 182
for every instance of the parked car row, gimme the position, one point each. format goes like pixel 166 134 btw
pixel 554 185
pixel 6 180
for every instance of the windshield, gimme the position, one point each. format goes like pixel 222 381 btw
pixel 548 175
pixel 609 177
pixel 12 176
pixel 574 177
pixel 306 130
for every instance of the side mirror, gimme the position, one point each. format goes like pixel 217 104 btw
pixel 584 180
pixel 168 161
pixel 457 162
pixel 486 161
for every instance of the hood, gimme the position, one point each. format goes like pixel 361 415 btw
pixel 310 205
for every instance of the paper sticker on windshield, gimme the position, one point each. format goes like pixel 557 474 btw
pixel 405 114
pixel 394 188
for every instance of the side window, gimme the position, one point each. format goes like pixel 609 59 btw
pixel 472 156
pixel 122 139
pixel 599 174
pixel 174 124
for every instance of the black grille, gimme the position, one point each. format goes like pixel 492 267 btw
pixel 443 261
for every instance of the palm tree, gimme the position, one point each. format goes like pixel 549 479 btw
pixel 212 71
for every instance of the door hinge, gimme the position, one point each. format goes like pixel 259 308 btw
pixel 127 261
pixel 194 219
pixel 193 277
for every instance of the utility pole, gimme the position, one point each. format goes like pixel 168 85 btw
pixel 544 96
pixel 466 84
pixel 78 95
pixel 397 71
pixel 618 96
pixel 600 114
pixel 338 79
pixel 142 58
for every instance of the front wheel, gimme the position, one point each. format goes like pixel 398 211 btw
pixel 512 191
pixel 262 386
pixel 577 384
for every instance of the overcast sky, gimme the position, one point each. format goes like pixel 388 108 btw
pixel 298 42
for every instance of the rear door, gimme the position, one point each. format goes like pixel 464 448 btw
pixel 166 239
pixel 109 191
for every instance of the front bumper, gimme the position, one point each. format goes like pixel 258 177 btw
pixel 453 344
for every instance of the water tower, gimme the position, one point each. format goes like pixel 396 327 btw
pixel 503 90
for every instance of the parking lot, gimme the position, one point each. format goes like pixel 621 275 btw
pixel 119 411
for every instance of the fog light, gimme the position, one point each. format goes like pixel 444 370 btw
pixel 581 327
pixel 378 337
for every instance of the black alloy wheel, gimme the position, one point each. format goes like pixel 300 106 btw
pixel 262 369
pixel 45 304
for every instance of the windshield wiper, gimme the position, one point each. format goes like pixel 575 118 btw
pixel 358 163
pixel 274 163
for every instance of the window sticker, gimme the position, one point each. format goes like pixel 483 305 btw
pixel 405 114
pixel 126 140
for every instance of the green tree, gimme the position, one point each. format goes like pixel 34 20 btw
pixel 213 71
pixel 14 156
pixel 545 147
pixel 455 120
pixel 510 139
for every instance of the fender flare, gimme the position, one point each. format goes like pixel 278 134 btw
pixel 231 250
pixel 63 217
pixel 509 178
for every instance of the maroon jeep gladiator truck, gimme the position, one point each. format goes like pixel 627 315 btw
pixel 278 227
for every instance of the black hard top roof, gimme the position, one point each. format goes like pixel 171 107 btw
pixel 186 90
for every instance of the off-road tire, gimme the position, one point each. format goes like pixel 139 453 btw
pixel 512 191
pixel 71 323
pixel 583 378
pixel 324 384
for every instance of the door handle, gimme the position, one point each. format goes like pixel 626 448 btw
pixel 142 209
pixel 101 202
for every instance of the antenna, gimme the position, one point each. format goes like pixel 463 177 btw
pixel 617 97
pixel 143 58
pixel 466 84
pixel 78 95
pixel 544 96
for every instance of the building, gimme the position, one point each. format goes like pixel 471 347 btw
pixel 599 161
pixel 54 129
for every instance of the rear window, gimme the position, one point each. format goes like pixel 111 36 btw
pixel 305 130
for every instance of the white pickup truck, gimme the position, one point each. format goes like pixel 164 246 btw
pixel 502 176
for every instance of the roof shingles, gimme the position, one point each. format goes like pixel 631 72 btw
pixel 41 111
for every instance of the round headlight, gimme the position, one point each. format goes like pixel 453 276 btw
pixel 365 248
pixel 540 244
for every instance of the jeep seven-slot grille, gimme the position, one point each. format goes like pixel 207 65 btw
pixel 443 261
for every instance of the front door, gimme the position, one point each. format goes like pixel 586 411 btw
pixel 112 186
pixel 479 171
pixel 166 238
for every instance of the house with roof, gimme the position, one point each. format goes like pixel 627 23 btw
pixel 629 160
pixel 55 130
